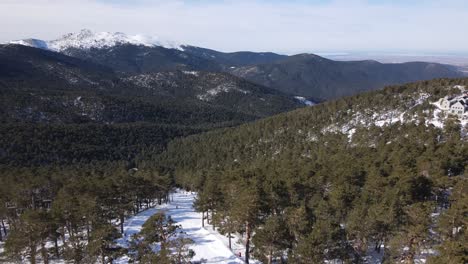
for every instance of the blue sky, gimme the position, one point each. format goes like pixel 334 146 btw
pixel 275 25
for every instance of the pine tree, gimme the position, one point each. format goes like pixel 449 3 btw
pixel 452 226
pixel 103 244
pixel 31 233
pixel 246 210
pixel 271 239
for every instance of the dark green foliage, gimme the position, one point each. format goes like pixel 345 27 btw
pixel 294 184
pixel 57 109
pixel 336 197
pixel 75 205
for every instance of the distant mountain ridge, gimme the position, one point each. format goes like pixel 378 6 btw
pixel 53 100
pixel 87 39
pixel 305 75
pixel 312 75
pixel 51 82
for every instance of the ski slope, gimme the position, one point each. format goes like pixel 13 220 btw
pixel 209 247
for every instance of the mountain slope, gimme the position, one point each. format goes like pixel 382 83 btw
pixel 314 76
pixel 349 119
pixel 41 68
pixel 219 89
pixel 60 109
pixel 142 59
pixel 234 59
pixel 40 76
pixel 336 180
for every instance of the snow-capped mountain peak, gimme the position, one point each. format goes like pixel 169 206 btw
pixel 87 39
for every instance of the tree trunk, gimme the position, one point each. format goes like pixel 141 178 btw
pixel 212 220
pixel 33 253
pixel 44 253
pixel 270 257
pixel 122 219
pixel 411 252
pixel 247 242
pixel 64 240
pixel 88 231
pixel 33 201
pixel 203 219
pixel 229 236
pixel 384 255
pixel 377 246
pixel 56 247
pixel 4 227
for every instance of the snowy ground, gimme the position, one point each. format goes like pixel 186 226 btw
pixel 209 246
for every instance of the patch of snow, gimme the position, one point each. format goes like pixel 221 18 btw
pixel 35 43
pixel 304 100
pixel 77 101
pixel 222 88
pixel 194 73
pixel 462 88
pixel 377 117
pixel 151 81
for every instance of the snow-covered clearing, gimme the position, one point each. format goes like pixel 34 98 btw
pixel 209 246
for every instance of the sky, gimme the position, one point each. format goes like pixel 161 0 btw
pixel 294 26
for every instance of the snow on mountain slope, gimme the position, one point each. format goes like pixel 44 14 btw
pixel 222 88
pixel 87 39
pixel 304 101
pixel 36 43
pixel 381 116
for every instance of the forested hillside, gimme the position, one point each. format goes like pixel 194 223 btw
pixel 60 109
pixel 78 141
pixel 314 76
pixel 378 176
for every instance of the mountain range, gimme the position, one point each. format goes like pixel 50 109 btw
pixel 305 75
pixel 134 94
pixel 46 96
pixel 42 75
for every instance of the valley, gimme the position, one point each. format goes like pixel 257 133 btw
pixel 121 148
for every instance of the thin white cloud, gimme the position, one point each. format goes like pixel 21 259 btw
pixel 251 25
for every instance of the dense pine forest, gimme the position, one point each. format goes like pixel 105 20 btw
pixel 335 182
pixel 79 208
pixel 320 184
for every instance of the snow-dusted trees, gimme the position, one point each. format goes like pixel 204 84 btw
pixel 102 244
pixel 80 210
pixel 30 236
pixel 340 199
pixel 158 242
